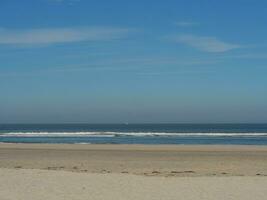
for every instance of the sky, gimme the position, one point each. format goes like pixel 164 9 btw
pixel 142 61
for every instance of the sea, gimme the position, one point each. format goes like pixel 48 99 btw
pixel 185 134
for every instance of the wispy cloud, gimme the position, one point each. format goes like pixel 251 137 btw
pixel 208 44
pixel 69 2
pixel 138 65
pixel 60 35
pixel 185 24
pixel 175 72
pixel 251 56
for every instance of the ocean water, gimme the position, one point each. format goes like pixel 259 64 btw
pixel 245 134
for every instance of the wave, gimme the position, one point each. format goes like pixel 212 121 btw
pixel 121 134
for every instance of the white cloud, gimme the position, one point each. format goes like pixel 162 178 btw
pixel 60 35
pixel 208 44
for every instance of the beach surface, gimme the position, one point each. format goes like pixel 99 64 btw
pixel 28 184
pixel 55 171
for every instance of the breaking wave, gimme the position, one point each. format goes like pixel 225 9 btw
pixel 121 134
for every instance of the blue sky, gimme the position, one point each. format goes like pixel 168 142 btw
pixel 136 61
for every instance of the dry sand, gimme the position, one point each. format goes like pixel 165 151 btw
pixel 26 184
pixel 71 172
pixel 156 160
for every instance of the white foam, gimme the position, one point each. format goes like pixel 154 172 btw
pixel 114 134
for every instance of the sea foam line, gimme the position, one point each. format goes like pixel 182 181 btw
pixel 114 134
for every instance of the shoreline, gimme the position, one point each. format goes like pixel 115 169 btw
pixel 134 146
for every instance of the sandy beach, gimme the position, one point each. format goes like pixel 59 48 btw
pixel 149 160
pixel 42 184
pixel 48 171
